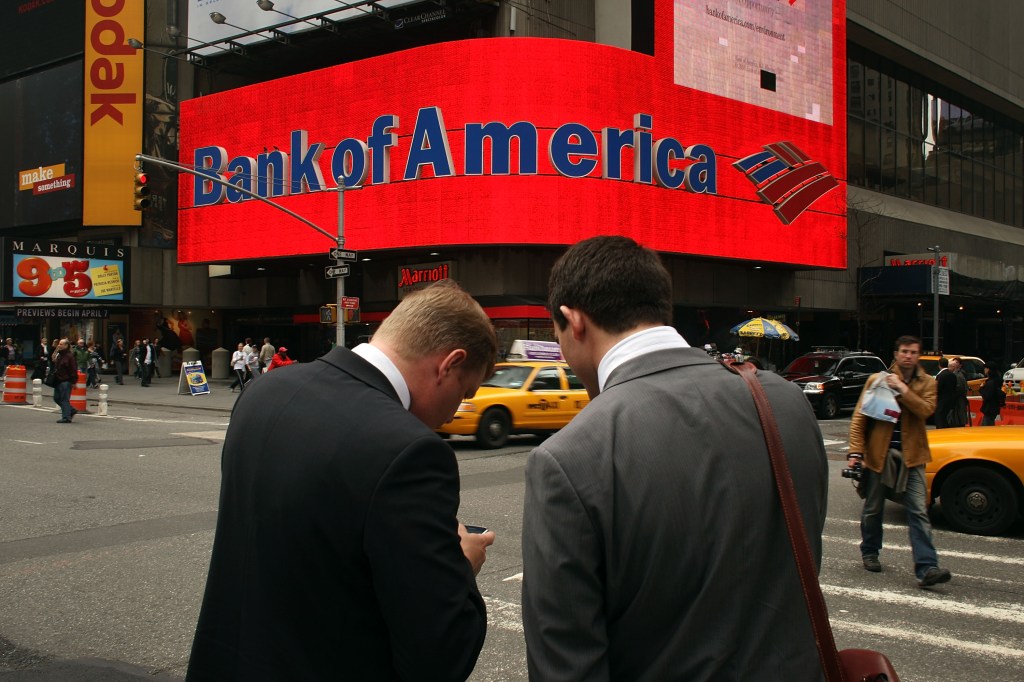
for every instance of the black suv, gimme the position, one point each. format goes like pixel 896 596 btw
pixel 832 378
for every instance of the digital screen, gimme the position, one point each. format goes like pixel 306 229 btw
pixel 607 143
pixel 41 147
pixel 771 53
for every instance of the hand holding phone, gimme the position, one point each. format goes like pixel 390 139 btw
pixel 474 541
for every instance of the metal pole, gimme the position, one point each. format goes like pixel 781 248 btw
pixel 935 296
pixel 340 340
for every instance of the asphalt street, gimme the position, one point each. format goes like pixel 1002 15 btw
pixel 107 525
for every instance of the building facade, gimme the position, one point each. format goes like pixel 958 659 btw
pixel 908 119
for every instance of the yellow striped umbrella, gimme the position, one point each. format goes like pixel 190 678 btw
pixel 763 328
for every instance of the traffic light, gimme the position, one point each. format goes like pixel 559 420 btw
pixel 142 200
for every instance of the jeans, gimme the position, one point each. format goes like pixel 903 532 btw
pixel 62 396
pixel 918 525
pixel 988 421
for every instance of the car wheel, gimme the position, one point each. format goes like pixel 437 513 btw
pixel 494 429
pixel 829 406
pixel 978 501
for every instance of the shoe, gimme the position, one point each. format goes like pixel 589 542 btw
pixel 872 564
pixel 63 421
pixel 73 412
pixel 934 576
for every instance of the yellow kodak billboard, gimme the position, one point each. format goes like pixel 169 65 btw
pixel 113 110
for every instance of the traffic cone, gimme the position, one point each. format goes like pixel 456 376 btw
pixel 14 386
pixel 78 393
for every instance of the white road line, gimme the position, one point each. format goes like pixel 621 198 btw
pixel 947 533
pixel 122 417
pixel 210 435
pixel 30 442
pixel 1006 612
pixel 518 577
pixel 833 442
pixel 1016 561
pixel 924 639
pixel 503 614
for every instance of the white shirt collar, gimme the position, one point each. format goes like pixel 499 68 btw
pixel 376 357
pixel 635 345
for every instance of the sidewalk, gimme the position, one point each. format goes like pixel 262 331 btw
pixel 161 392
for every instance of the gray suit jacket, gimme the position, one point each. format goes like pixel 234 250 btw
pixel 654 546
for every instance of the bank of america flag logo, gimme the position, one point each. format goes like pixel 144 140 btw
pixel 786 179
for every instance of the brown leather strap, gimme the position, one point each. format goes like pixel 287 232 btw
pixel 795 525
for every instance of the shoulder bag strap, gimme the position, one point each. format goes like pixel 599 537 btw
pixel 794 525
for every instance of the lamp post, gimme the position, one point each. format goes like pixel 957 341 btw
pixel 935 295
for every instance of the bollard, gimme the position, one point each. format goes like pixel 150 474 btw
pixel 102 408
pixel 37 393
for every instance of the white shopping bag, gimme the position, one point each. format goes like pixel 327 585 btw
pixel 880 401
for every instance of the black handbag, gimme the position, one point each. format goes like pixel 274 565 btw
pixel 51 380
pixel 848 665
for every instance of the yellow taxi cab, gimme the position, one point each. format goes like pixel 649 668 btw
pixel 977 475
pixel 973 368
pixel 520 397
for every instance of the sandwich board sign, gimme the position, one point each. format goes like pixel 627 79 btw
pixel 193 376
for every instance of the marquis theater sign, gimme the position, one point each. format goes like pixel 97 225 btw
pixel 729 142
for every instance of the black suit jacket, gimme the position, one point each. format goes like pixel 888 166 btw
pixel 337 553
pixel 946 390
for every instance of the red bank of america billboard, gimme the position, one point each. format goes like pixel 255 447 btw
pixel 729 142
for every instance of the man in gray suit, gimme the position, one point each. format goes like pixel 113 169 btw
pixel 654 545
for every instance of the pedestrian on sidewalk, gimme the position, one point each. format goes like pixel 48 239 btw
pixel 238 366
pixel 280 359
pixel 148 362
pixel 155 346
pixel 93 373
pixel 266 353
pixel 117 357
pixel 252 362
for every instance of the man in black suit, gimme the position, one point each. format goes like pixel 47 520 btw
pixel 338 554
pixel 946 394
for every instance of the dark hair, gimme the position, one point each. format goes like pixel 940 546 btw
pixel 906 340
pixel 943 361
pixel 615 281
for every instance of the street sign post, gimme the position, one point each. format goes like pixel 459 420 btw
pixel 336 271
pixel 341 254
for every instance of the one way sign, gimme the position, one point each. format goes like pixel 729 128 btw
pixel 336 271
pixel 341 254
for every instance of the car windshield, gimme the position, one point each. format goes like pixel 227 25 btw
pixel 509 377
pixel 808 365
pixel 930 366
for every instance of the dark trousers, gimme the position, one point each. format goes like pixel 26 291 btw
pixel 146 373
pixel 120 371
pixel 62 396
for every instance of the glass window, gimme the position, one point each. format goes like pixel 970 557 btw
pixel 574 382
pixel 855 88
pixel 855 151
pixel 547 379
pixel 509 376
pixel 872 105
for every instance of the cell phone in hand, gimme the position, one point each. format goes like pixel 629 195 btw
pixel 475 529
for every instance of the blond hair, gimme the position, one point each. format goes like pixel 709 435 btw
pixel 439 319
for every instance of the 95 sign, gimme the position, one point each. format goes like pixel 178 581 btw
pixel 41 277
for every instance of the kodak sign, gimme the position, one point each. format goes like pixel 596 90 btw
pixel 113 110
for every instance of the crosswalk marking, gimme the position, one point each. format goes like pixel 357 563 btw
pixel 1016 561
pixel 923 639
